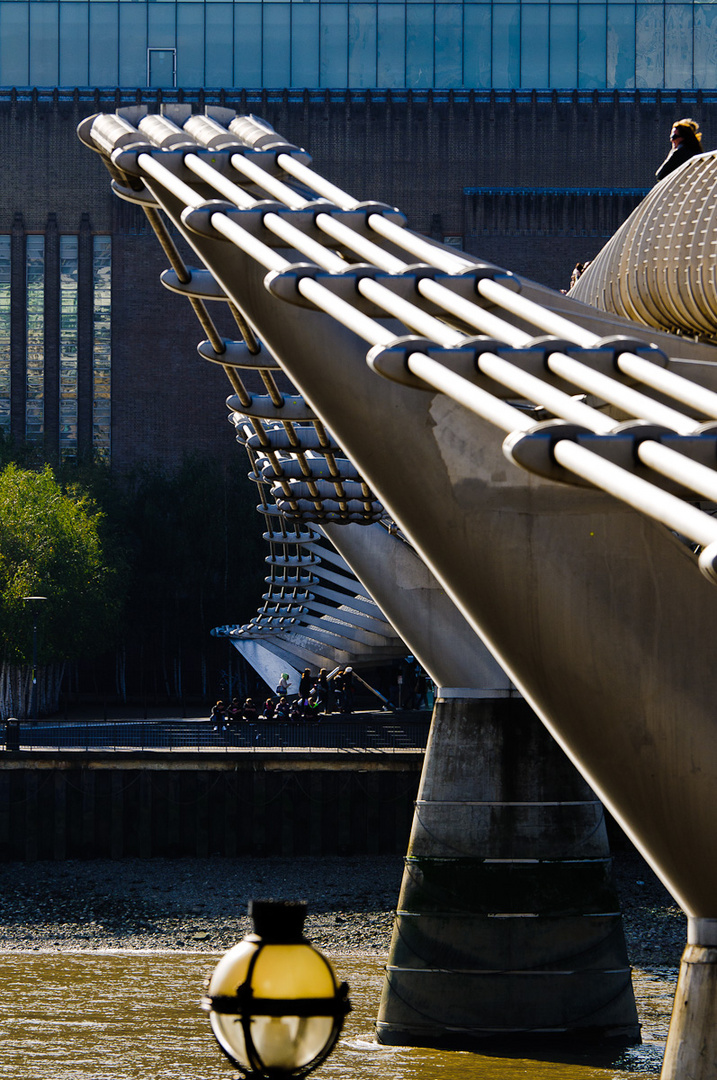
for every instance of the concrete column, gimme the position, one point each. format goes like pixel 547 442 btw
pixel 691 1051
pixel 508 921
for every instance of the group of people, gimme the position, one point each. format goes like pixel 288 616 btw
pixel 318 695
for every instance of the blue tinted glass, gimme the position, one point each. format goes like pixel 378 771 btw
pixel 161 27
pixel 620 46
pixel 650 45
pixel 477 45
pixel 247 45
pixel 563 45
pixel 44 44
pixel 218 49
pixel 277 51
pixel 133 44
pixel 506 46
pixel 592 46
pixel 74 36
pixel 419 45
pixel 449 59
pixel 104 45
pixel 333 59
pixel 362 45
pixel 190 44
pixel 705 46
pixel 678 45
pixel 534 46
pixel 14 44
pixel 305 45
pixel 391 64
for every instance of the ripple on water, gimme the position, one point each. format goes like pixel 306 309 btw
pixel 135 1016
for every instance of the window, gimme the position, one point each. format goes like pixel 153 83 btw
pixel 101 346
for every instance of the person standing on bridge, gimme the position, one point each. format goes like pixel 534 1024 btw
pixel 686 141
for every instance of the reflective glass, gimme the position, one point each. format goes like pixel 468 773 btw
pixel 14 44
pixel 35 338
pixel 563 45
pixel 68 347
pixel 190 54
pixel 362 44
pixel 247 45
pixel 101 346
pixel 305 45
pixel 133 45
pixel 705 46
pixel 277 49
pixel 620 46
pixel 650 45
pixel 218 52
pixel 161 67
pixel 74 40
pixel 104 44
pixel 678 45
pixel 449 66
pixel 333 57
pixel 477 68
pixel 534 46
pixel 44 44
pixel 5 300
pixel 391 58
pixel 506 45
pixel 161 26
pixel 592 47
pixel 419 45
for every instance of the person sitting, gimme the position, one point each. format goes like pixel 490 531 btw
pixel 282 709
pixel 269 709
pixel 249 710
pixel 234 712
pixel 218 716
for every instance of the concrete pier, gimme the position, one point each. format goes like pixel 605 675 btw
pixel 691 1051
pixel 508 922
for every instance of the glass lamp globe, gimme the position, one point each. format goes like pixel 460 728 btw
pixel 274 1004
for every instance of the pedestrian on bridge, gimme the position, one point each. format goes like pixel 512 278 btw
pixel 685 142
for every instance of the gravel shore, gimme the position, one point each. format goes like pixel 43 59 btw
pixel 200 904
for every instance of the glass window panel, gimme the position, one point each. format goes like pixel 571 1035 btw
pixel 563 45
pixel 133 44
pixel 362 45
pixel 161 67
pixel 419 45
pixel 44 44
pixel 35 338
pixel 333 57
pixel 678 45
pixel 68 348
pixel 534 47
pixel 305 45
pixel 190 41
pixel 650 45
pixel 74 42
pixel 620 46
pixel 506 46
pixel 592 46
pixel 104 45
pixel 161 26
pixel 5 308
pixel 14 44
pixel 101 346
pixel 477 50
pixel 391 52
pixel 247 45
pixel 218 52
pixel 277 44
pixel 705 46
pixel 449 45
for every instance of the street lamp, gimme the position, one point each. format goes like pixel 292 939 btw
pixel 33 600
pixel 274 1004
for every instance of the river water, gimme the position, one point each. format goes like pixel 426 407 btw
pixel 135 1016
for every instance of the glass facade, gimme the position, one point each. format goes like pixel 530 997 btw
pixel 315 43
pixel 68 347
pixel 35 339
pixel 5 299
pixel 102 346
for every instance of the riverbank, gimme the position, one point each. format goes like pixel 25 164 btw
pixel 201 904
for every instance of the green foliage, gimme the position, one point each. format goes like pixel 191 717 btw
pixel 51 545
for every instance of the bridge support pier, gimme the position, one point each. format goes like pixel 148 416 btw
pixel 691 1051
pixel 508 923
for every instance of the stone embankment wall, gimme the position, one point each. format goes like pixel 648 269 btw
pixel 118 806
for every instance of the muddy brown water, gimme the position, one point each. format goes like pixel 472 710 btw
pixel 128 1015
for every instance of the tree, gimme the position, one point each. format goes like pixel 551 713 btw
pixel 50 545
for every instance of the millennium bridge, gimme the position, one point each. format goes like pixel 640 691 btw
pixel 520 486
